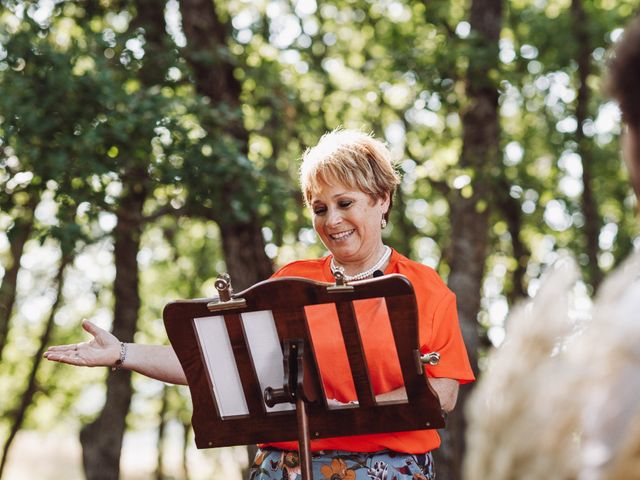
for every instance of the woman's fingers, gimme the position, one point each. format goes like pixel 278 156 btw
pixel 62 348
pixel 92 328
pixel 72 357
pixel 61 354
pixel 96 352
pixel 89 327
pixel 101 337
pixel 73 347
pixel 86 354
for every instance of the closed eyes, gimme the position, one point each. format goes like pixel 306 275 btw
pixel 322 209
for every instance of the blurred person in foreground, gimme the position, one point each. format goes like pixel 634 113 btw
pixel 561 399
pixel 348 181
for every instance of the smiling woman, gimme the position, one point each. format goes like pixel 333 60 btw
pixel 349 223
pixel 348 181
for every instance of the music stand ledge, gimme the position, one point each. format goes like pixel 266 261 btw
pixel 300 384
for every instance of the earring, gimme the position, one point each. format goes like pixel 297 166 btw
pixel 383 223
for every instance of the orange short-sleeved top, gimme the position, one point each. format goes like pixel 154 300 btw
pixel 438 330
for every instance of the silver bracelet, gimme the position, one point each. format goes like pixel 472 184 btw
pixel 123 355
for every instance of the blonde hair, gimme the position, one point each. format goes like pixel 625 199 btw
pixel 353 158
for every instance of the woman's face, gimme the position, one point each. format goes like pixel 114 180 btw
pixel 348 222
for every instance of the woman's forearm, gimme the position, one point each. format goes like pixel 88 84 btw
pixel 155 361
pixel 397 395
pixel 447 390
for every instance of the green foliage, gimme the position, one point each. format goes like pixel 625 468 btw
pixel 82 121
pixel 540 95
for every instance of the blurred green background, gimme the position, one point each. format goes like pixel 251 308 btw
pixel 146 146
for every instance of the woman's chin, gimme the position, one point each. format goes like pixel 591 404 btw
pixel 342 248
pixel 344 256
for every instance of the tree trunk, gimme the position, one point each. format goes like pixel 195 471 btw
pixel 185 448
pixel 208 56
pixel 244 253
pixel 162 424
pixel 18 236
pixel 470 216
pixel 405 227
pixel 206 35
pixel 16 418
pixel 512 213
pixel 242 239
pixel 592 221
pixel 102 439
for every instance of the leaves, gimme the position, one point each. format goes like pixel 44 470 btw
pixel 89 112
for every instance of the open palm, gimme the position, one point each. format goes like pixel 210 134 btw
pixel 103 350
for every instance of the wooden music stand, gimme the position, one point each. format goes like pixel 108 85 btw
pixel 257 414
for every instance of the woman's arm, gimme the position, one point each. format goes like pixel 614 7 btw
pixel 445 388
pixel 104 350
pixel 155 361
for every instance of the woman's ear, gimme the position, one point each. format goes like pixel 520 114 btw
pixel 385 202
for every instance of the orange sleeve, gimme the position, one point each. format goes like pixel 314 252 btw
pixel 444 336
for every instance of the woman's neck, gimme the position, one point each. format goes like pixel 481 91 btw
pixel 352 268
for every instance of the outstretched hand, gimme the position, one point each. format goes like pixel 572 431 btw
pixel 103 350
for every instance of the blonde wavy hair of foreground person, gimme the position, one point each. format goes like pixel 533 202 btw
pixel 352 158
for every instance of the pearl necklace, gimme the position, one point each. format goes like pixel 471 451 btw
pixel 362 275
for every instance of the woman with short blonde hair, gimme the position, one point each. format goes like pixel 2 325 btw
pixel 348 180
pixel 353 158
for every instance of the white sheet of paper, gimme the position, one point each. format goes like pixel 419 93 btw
pixel 262 337
pixel 221 366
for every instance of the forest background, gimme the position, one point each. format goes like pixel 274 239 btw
pixel 146 146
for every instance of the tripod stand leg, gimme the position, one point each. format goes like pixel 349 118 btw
pixel 304 441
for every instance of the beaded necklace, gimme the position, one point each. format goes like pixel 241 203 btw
pixel 367 273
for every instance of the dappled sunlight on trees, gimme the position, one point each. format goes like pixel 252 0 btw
pixel 144 151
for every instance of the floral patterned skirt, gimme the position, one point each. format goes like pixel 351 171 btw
pixel 340 465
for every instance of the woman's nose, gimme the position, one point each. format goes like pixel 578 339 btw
pixel 334 217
